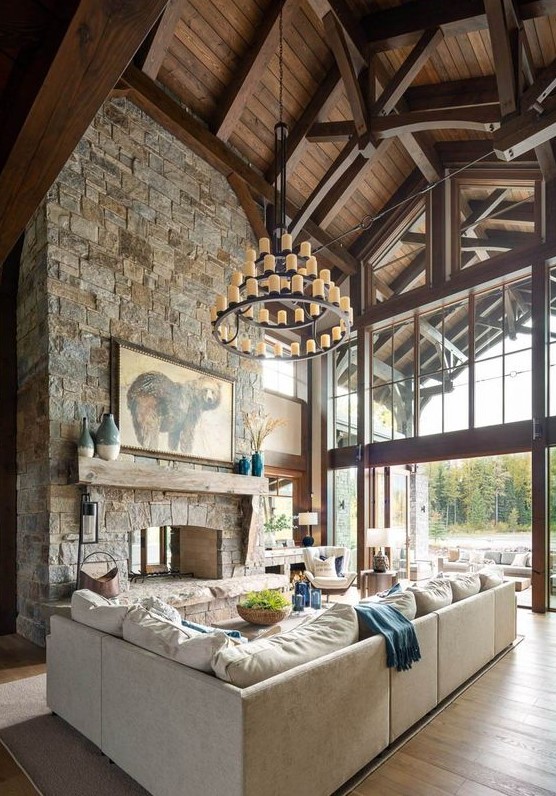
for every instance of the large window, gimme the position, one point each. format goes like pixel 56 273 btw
pixel 393 382
pixel 345 510
pixel 344 397
pixel 279 376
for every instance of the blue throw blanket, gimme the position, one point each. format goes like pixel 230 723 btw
pixel 402 647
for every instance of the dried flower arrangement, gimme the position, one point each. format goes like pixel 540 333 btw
pixel 260 427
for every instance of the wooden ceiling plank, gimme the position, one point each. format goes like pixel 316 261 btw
pixel 484 119
pixel 504 43
pixel 153 52
pixel 338 44
pixel 255 62
pixel 251 209
pixel 401 26
pixel 409 70
pixel 331 131
pixel 453 94
pixel 100 40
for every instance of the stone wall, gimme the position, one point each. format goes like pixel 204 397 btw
pixel 133 241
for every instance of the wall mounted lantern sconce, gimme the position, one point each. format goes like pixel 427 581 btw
pixel 88 526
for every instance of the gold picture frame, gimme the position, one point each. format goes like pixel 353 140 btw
pixel 171 410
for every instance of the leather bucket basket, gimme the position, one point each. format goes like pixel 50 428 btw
pixel 107 585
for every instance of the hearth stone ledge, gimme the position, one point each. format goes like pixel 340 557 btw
pixel 199 600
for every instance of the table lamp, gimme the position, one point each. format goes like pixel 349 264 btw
pixel 308 518
pixel 380 538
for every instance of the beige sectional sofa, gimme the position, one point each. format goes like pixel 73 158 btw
pixel 182 732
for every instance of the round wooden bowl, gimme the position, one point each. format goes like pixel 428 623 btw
pixel 261 616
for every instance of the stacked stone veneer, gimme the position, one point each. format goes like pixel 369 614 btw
pixel 133 241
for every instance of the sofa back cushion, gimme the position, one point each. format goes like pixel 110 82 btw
pixel 180 644
pixel 489 578
pixel 493 555
pixel 403 601
pixel 247 664
pixel 95 611
pixel 465 586
pixel 507 558
pixel 432 595
pixel 520 560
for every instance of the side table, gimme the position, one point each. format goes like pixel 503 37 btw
pixel 372 582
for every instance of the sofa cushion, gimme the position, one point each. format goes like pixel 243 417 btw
pixel 465 586
pixel 180 644
pixel 325 568
pixel 432 595
pixel 248 664
pixel 529 560
pixel 489 579
pixel 493 555
pixel 507 558
pixel 403 601
pixel 95 611
pixel 520 560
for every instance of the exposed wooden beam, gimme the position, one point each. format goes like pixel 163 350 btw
pixel 147 95
pixel 484 208
pixel 347 184
pixel 100 40
pixel 250 207
pixel 410 273
pixel 543 85
pixel 401 26
pixel 338 44
pixel 469 92
pixel 408 71
pixel 151 55
pixel 342 162
pixel 420 148
pixel 485 119
pixel 504 43
pixel 509 211
pixel 524 132
pixel 331 131
pixel 352 28
pixel 494 241
pixel 251 70
pixel 325 98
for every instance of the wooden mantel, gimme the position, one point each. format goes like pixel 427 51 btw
pixel 133 475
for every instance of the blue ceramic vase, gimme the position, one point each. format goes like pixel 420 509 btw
pixel 244 466
pixel 257 463
pixel 108 438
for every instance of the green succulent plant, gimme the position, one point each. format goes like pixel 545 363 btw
pixel 267 599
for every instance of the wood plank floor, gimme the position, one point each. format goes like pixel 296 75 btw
pixel 496 738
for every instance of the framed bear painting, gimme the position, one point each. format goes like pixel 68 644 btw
pixel 167 409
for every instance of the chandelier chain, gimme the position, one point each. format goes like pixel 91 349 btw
pixel 281 66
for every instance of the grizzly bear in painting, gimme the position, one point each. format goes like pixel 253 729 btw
pixel 158 404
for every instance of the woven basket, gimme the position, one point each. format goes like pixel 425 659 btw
pixel 262 616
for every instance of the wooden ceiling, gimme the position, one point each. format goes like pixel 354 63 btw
pixel 378 107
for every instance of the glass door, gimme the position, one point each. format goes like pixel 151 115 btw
pixel 345 510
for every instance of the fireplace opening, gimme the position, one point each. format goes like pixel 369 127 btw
pixel 175 551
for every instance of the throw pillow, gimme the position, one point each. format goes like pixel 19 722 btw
pixel 453 554
pixel 251 663
pixel 432 595
pixel 177 643
pixel 339 564
pixel 326 568
pixel 464 555
pixel 476 557
pixel 403 601
pixel 489 579
pixel 95 611
pixel 465 586
pixel 157 606
pixel 520 560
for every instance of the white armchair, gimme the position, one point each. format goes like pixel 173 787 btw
pixel 328 584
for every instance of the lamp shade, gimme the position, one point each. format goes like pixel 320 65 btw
pixel 381 537
pixel 308 518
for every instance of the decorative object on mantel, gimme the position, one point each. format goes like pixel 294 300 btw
pixel 308 518
pixel 108 438
pixel 85 443
pixel 259 428
pixel 244 466
pixel 281 289
pixel 266 607
pixel 170 409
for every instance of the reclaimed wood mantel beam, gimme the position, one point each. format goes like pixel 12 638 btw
pixel 99 42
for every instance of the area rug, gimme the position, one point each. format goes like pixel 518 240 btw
pixel 56 758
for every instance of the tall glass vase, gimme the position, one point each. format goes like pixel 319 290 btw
pixel 257 463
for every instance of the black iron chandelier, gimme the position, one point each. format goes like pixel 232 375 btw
pixel 281 292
